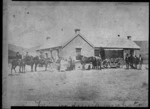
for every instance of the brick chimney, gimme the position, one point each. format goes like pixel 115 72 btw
pixel 77 31
pixel 129 37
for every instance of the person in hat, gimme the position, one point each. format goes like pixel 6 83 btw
pixel 140 62
pixel 127 61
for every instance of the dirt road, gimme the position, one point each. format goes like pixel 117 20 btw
pixel 107 87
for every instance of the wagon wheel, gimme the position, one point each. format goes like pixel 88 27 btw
pixel 105 64
pixel 111 64
pixel 118 65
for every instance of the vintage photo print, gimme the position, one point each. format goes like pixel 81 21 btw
pixel 75 54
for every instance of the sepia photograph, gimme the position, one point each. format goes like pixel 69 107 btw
pixel 75 54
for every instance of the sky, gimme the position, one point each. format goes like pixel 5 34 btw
pixel 29 23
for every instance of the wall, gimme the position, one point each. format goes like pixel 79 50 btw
pixel 78 42
pixel 143 54
pixel 143 51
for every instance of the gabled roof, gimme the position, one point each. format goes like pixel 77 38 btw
pixel 80 35
pixel 56 43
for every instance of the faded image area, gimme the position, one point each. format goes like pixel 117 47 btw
pixel 75 54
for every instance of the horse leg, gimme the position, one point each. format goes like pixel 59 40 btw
pixel 35 66
pixel 83 66
pixel 11 69
pixel 45 67
pixel 19 68
pixel 100 66
pixel 31 67
pixel 14 69
pixel 24 67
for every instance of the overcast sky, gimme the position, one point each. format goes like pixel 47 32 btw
pixel 29 23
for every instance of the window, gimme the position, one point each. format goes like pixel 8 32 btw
pixel 97 52
pixel 78 53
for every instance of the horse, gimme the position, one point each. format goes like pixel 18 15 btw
pixel 87 60
pixel 28 60
pixel 43 61
pixel 35 61
pixel 15 63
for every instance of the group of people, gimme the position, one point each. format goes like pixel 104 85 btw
pixel 133 62
pixel 20 56
pixel 65 64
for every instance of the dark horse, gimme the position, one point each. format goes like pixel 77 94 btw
pixel 43 61
pixel 35 61
pixel 17 62
pixel 95 61
pixel 28 60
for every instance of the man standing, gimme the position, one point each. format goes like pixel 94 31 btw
pixel 136 61
pixel 131 61
pixel 140 62
pixel 70 63
pixel 127 61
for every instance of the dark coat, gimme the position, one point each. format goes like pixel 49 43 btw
pixel 136 60
pixel 127 60
pixel 140 60
pixel 131 59
pixel 18 56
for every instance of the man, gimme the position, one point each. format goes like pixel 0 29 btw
pixel 140 62
pixel 98 60
pixel 27 54
pixel 46 54
pixel 41 56
pixel 131 58
pixel 27 57
pixel 70 63
pixel 127 61
pixel 136 61
pixel 18 55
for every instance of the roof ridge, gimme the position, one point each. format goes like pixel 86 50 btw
pixel 69 40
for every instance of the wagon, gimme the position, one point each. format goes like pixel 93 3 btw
pixel 112 63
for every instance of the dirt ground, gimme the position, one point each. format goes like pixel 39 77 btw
pixel 106 87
